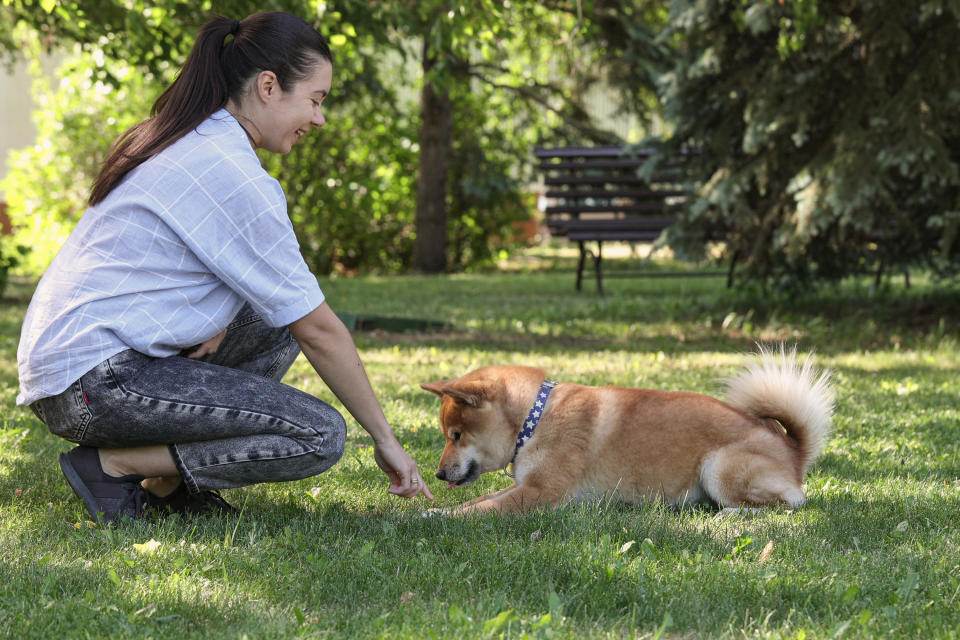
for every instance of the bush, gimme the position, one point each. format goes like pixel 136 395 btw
pixel 10 256
pixel 351 188
pixel 77 120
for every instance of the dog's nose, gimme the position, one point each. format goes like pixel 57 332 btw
pixel 441 475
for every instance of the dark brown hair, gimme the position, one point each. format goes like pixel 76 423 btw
pixel 216 71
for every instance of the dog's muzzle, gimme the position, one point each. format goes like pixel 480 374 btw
pixel 473 472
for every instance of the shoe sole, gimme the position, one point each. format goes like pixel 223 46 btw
pixel 79 488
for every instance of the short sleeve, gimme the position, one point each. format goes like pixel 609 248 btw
pixel 233 216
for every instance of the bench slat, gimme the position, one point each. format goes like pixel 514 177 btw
pixel 610 207
pixel 592 236
pixel 621 224
pixel 590 164
pixel 638 194
pixel 621 178
pixel 591 152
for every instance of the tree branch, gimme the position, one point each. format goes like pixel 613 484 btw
pixel 577 118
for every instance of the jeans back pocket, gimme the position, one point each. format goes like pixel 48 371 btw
pixel 66 414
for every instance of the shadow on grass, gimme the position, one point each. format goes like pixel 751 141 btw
pixel 282 569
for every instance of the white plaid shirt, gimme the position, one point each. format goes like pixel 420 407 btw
pixel 166 261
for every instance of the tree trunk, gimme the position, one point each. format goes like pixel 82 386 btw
pixel 430 246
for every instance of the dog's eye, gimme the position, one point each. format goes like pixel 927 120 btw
pixel 455 435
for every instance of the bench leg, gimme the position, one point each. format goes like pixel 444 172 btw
pixel 733 263
pixel 597 267
pixel 583 256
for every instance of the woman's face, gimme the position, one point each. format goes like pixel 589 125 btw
pixel 288 115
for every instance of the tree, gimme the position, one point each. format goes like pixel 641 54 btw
pixel 436 144
pixel 826 134
pixel 477 47
pixel 490 92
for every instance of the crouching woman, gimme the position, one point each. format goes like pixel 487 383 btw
pixel 157 339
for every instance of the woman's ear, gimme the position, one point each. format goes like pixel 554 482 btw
pixel 267 85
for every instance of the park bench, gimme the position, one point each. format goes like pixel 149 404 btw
pixel 598 194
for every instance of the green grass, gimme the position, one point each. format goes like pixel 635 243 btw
pixel 874 553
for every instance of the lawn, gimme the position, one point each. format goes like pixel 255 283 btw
pixel 874 552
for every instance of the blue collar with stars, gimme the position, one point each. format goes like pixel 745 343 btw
pixel 533 418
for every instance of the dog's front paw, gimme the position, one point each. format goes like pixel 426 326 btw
pixel 435 512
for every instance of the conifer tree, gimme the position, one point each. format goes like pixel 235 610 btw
pixel 826 134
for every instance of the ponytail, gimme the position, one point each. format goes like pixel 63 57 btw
pixel 225 56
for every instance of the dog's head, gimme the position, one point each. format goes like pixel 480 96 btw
pixel 479 419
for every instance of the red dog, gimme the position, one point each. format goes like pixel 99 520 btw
pixel 569 441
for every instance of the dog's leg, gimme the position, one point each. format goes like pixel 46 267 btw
pixel 489 496
pixel 526 497
pixel 468 505
pixel 539 489
pixel 516 498
pixel 736 478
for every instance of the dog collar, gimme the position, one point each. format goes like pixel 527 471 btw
pixel 533 418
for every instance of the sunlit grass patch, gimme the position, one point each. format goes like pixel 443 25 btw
pixel 873 553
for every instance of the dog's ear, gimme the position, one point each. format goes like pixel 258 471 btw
pixel 435 387
pixel 469 393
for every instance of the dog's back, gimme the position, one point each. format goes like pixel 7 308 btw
pixel 751 450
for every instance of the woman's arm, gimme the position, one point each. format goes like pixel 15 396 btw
pixel 327 344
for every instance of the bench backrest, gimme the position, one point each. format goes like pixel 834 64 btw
pixel 600 189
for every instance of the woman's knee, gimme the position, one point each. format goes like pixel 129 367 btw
pixel 330 437
pixel 336 435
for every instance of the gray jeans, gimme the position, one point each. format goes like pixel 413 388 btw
pixel 227 418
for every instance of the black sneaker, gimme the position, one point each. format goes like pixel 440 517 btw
pixel 106 497
pixel 182 501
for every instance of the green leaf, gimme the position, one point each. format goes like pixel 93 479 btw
pixel 457 615
pixel 910 582
pixel 498 622
pixel 542 621
pixel 664 625
pixel 849 594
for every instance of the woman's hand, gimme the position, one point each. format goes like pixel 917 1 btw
pixel 405 478
pixel 329 347
pixel 208 347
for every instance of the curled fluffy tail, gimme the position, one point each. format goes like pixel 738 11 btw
pixel 778 385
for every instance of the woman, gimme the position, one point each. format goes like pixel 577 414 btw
pixel 157 338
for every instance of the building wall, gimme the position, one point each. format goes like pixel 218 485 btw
pixel 16 126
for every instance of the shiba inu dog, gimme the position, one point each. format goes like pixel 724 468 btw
pixel 569 441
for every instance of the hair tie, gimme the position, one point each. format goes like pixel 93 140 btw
pixel 234 27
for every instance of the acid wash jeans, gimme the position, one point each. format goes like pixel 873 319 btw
pixel 226 417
